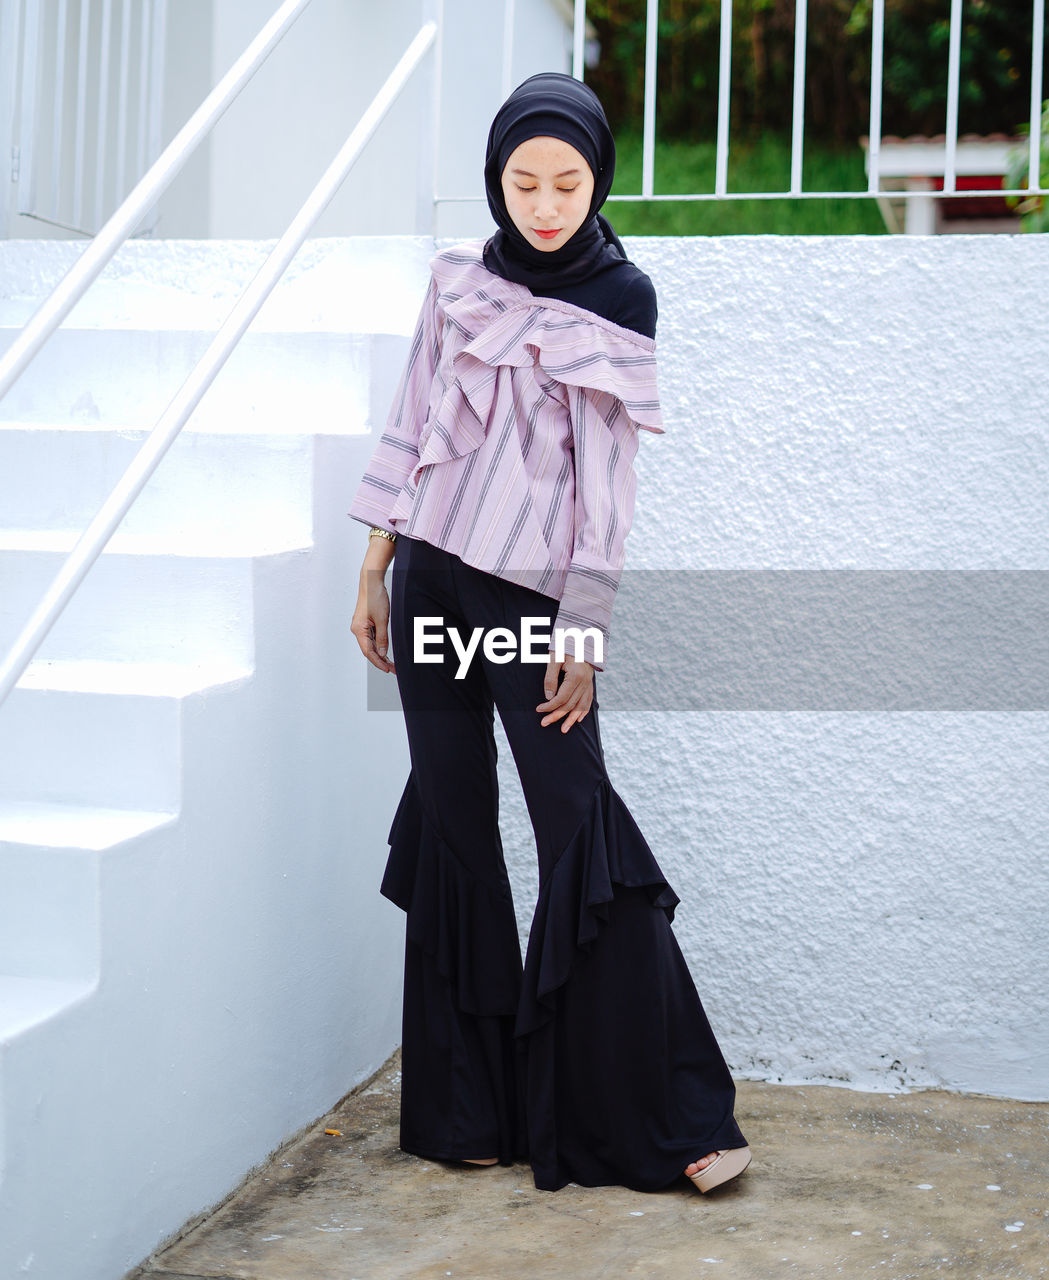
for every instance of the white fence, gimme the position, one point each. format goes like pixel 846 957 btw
pixel 796 190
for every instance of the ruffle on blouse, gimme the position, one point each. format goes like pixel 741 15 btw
pixel 467 927
pixel 504 326
pixel 607 849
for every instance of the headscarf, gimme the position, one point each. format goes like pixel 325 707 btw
pixel 552 105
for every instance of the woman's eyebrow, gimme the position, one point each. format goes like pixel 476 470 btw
pixel 565 173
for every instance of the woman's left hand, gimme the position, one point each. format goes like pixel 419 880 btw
pixel 574 696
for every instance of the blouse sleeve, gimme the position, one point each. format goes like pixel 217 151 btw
pixel 397 451
pixel 605 442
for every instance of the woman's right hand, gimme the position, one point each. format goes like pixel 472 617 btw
pixel 371 618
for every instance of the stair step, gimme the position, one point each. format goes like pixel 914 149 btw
pixel 222 485
pixel 135 679
pixel 131 607
pixel 70 826
pixel 50 883
pixel 349 284
pixel 27 1002
pixel 273 382
pixel 102 733
pixel 192 545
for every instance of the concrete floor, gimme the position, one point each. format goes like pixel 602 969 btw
pixel 842 1184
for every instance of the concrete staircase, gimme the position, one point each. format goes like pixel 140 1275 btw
pixel 194 961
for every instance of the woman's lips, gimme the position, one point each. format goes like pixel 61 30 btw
pixel 548 235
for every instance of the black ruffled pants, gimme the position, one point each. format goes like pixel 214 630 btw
pixel 595 1060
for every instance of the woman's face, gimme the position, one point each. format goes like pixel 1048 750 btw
pixel 547 186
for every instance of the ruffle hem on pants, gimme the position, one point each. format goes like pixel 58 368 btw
pixel 598 1056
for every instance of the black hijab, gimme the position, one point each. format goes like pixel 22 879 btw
pixel 552 105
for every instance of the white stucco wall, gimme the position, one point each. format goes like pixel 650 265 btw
pixel 862 887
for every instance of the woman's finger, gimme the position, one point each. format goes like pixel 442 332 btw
pixel 577 674
pixel 371 652
pixel 369 627
pixel 573 699
pixel 378 607
pixel 562 697
pixel 574 718
pixel 550 679
pixel 575 712
pixel 381 635
pixel 560 706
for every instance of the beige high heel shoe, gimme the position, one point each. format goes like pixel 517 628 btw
pixel 729 1164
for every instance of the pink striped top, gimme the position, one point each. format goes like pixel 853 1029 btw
pixel 512 438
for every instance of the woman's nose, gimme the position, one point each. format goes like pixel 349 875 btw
pixel 546 206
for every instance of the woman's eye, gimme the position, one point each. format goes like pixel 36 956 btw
pixel 564 191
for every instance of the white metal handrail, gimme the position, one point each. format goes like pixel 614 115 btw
pixel 146 192
pixel 795 191
pixel 102 528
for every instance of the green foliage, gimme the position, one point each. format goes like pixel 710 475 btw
pixel 995 66
pixel 995 70
pixel 762 65
pixel 762 164
pixel 1034 209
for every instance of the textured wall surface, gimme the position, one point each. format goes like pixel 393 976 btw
pixel 862 867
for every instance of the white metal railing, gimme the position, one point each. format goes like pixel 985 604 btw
pixel 877 67
pixel 796 190
pixel 102 527
pixel 724 100
pixel 72 171
pixel 1034 178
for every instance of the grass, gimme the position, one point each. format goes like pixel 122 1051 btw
pixel 761 164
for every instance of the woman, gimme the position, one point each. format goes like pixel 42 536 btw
pixel 502 490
